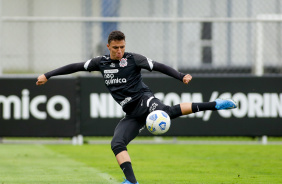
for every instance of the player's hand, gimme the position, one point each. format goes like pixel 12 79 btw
pixel 41 80
pixel 187 78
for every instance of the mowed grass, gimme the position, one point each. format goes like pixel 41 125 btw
pixel 153 164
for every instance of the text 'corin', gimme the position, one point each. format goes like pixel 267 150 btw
pixel 250 105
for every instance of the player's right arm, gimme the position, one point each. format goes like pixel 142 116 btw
pixel 90 65
pixel 68 69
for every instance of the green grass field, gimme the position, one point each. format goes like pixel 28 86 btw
pixel 152 163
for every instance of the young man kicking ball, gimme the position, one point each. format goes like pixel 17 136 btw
pixel 122 75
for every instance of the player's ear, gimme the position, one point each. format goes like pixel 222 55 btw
pixel 108 46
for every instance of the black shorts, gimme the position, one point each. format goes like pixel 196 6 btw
pixel 135 119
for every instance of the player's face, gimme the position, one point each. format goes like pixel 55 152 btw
pixel 116 48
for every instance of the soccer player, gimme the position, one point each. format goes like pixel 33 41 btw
pixel 121 73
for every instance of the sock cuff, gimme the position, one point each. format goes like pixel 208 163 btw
pixel 197 107
pixel 125 163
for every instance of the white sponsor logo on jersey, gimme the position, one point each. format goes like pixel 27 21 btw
pixel 110 78
pixel 111 71
pixel 125 101
pixel 112 65
pixel 115 81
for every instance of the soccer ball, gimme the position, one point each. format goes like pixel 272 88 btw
pixel 158 122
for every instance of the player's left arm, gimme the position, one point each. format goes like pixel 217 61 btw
pixel 151 65
pixel 185 78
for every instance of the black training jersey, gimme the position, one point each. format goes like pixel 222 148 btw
pixel 122 77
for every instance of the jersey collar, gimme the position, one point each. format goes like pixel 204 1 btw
pixel 107 58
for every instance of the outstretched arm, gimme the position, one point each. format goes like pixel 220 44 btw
pixel 71 68
pixel 172 72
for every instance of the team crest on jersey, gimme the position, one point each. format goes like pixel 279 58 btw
pixel 123 62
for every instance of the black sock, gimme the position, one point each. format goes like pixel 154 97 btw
pixel 128 172
pixel 197 107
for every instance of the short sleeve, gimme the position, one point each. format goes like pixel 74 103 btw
pixel 92 64
pixel 143 62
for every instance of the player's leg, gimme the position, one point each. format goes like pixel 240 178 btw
pixel 188 108
pixel 173 111
pixel 218 104
pixel 126 130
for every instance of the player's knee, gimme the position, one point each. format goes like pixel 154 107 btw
pixel 173 111
pixel 118 146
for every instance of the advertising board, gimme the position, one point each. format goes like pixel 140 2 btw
pixel 37 111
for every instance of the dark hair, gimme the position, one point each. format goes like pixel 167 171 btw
pixel 116 35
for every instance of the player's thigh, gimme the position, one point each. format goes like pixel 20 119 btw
pixel 173 111
pixel 127 129
pixel 156 104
